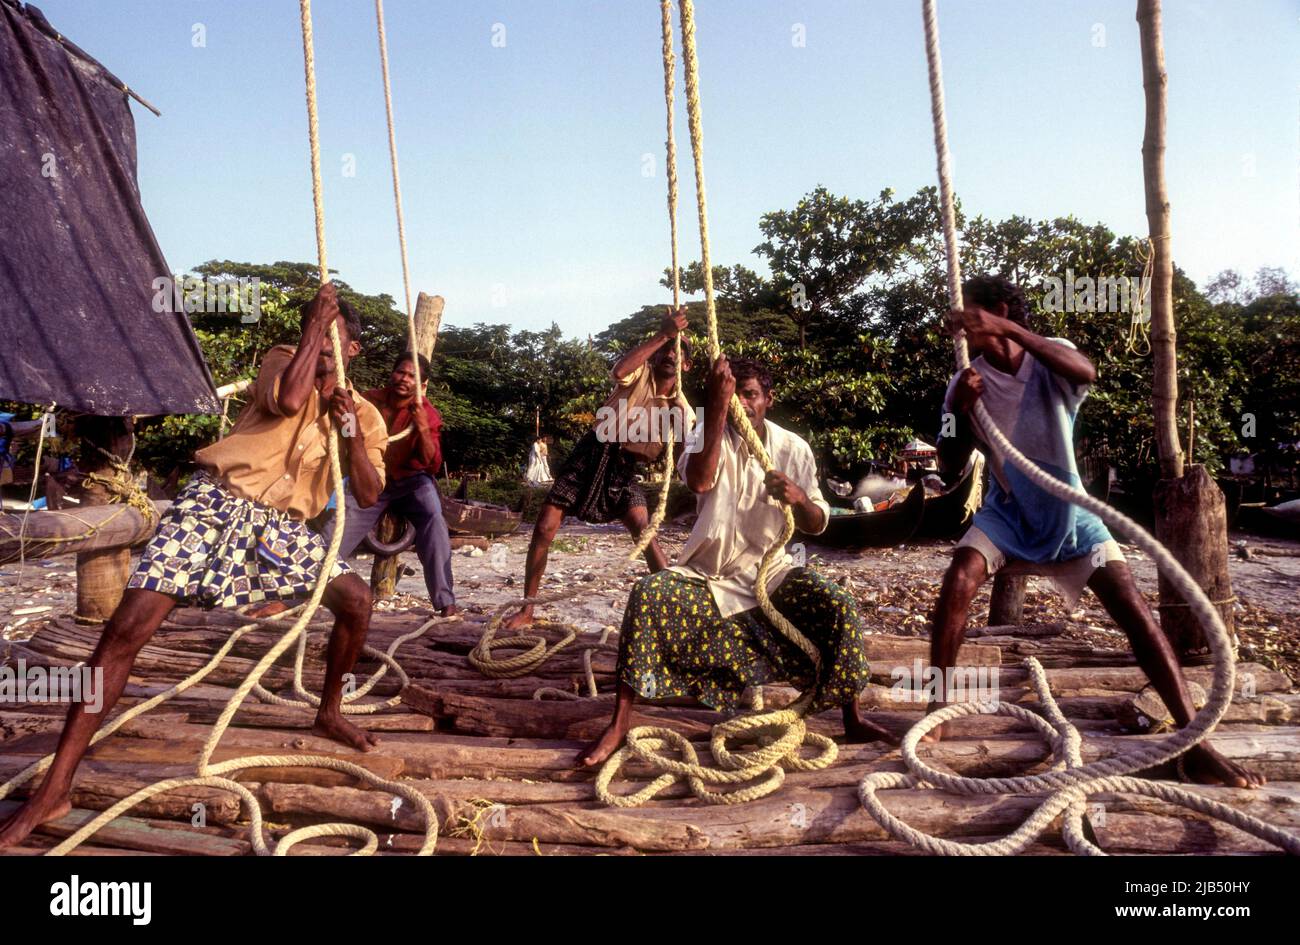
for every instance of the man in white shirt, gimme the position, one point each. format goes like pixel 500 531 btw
pixel 695 629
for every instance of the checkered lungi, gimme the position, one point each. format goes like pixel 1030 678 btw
pixel 214 549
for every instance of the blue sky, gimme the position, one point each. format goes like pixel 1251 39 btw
pixel 522 164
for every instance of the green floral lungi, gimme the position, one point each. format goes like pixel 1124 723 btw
pixel 675 642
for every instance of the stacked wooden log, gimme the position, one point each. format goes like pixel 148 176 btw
pixel 498 763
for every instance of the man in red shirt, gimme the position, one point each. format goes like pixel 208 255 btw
pixel 410 465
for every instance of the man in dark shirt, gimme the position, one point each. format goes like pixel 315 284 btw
pixel 410 464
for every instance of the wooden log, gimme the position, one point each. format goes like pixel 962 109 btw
pixel 1192 522
pixel 793 816
pixel 134 833
pixel 101 784
pixel 50 534
pixel 428 320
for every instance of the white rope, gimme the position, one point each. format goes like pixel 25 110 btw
pixel 1067 786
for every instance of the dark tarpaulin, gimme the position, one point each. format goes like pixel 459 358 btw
pixel 78 258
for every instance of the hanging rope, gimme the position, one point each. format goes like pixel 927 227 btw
pixel 397 201
pixel 1139 340
pixel 31 497
pixel 780 733
pixel 207 773
pixel 1070 783
pixel 670 147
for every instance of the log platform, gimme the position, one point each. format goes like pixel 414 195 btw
pixel 498 764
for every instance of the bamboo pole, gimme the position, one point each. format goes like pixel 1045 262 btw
pixel 1164 388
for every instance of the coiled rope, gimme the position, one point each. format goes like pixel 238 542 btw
pixel 209 774
pixel 780 733
pixel 1069 783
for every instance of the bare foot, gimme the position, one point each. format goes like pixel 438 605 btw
pixel 269 609
pixel 859 731
pixel 519 620
pixel 935 734
pixel 1204 765
pixel 599 750
pixel 34 812
pixel 451 610
pixel 341 730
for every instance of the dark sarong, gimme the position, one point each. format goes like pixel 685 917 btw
pixel 674 642
pixel 596 483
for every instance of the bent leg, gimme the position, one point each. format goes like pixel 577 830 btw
pixel 637 520
pixel 423 509
pixel 1119 594
pixel 134 621
pixel 961 583
pixel 539 548
pixel 348 597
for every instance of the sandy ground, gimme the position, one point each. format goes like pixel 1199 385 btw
pixel 896 587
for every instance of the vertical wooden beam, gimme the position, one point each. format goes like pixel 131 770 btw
pixel 1164 388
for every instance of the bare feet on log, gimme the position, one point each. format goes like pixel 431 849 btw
pixel 519 620
pixel 341 730
pixel 598 751
pixel 269 609
pixel 858 730
pixel 451 610
pixel 35 811
pixel 1203 765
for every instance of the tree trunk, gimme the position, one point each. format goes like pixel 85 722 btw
pixel 102 573
pixel 1192 521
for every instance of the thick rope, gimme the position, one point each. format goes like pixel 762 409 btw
pixel 1066 787
pixel 670 147
pixel 397 201
pixel 208 774
pixel 781 733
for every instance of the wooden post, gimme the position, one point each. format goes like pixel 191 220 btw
pixel 101 573
pixel 1192 522
pixel 1164 389
pixel 387 569
pixel 1007 603
pixel 1191 519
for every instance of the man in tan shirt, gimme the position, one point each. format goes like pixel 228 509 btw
pixel 236 535
pixel 597 481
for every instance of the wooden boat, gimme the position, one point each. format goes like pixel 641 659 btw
pixel 875 529
pixel 949 514
pixel 1278 521
pixel 469 517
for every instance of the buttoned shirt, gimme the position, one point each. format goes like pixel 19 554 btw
pixel 281 460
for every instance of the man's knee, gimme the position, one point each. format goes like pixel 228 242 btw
pixel 967 571
pixel 350 597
